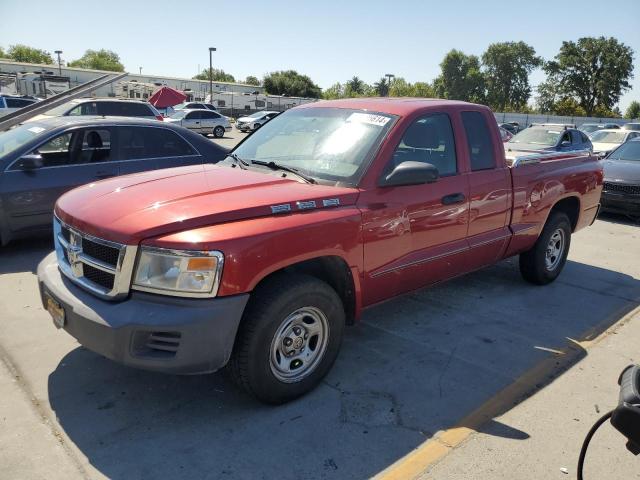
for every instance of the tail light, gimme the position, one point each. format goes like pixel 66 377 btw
pixel 160 117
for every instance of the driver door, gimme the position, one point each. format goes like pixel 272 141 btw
pixel 415 235
pixel 70 159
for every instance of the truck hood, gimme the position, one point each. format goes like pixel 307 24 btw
pixel 131 208
pixel 623 171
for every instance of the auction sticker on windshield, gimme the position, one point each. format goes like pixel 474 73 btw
pixel 369 118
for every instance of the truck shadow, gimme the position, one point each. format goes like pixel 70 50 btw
pixel 24 255
pixel 414 366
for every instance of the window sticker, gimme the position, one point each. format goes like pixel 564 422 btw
pixel 369 118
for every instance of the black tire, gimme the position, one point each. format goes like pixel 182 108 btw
pixel 534 266
pixel 256 127
pixel 218 132
pixel 250 365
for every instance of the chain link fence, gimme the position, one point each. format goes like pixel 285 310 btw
pixel 526 119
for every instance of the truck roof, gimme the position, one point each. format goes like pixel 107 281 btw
pixel 394 106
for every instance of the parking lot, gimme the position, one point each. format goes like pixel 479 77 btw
pixel 415 367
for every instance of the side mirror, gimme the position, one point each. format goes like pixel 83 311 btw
pixel 31 161
pixel 410 173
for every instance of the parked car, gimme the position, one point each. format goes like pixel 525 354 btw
pixel 505 135
pixel 12 103
pixel 254 121
pixel 590 128
pixel 194 106
pixel 260 261
pixel 621 190
pixel 631 126
pixel 39 161
pixel 511 127
pixel 112 107
pixel 544 138
pixel 607 140
pixel 201 121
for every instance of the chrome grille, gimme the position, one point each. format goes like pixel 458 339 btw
pixel 102 267
pixel 621 188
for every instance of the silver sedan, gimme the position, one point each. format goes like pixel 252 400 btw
pixel 201 121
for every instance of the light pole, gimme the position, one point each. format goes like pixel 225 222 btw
pixel 140 68
pixel 389 77
pixel 58 52
pixel 211 50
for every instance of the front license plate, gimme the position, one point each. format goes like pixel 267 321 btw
pixel 55 310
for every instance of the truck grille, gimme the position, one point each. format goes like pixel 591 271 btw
pixel 102 267
pixel 621 188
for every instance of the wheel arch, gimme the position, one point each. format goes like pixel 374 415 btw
pixel 570 206
pixel 333 270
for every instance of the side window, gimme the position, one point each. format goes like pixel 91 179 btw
pixel 57 151
pixel 208 115
pixel 566 137
pixel 17 102
pixel 96 146
pixel 584 138
pixel 89 108
pixel 221 103
pixel 193 116
pixel 75 111
pixel 430 140
pixel 479 141
pixel 148 142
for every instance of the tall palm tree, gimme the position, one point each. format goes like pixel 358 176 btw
pixel 356 85
pixel 381 87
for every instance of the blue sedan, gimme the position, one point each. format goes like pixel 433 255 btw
pixel 41 160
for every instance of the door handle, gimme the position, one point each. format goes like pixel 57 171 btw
pixel 453 198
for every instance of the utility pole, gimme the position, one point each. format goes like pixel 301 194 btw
pixel 58 52
pixel 140 70
pixel 211 50
pixel 389 77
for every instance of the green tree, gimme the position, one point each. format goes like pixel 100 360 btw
pixel 506 68
pixel 400 88
pixel 291 83
pixel 218 75
pixel 381 87
pixel 568 106
pixel 423 89
pixel 2 53
pixel 333 92
pixel 99 60
pixel 548 96
pixel 633 110
pixel 355 86
pixel 23 53
pixel 594 71
pixel 460 78
pixel 251 80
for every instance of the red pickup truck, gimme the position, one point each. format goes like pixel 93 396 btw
pixel 258 262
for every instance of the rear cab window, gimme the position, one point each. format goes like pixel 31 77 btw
pixel 479 141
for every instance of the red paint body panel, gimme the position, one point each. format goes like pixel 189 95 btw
pixel 393 239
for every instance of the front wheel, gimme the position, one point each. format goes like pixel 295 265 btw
pixel 218 132
pixel 289 338
pixel 544 262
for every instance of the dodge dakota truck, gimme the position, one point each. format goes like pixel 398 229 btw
pixel 257 263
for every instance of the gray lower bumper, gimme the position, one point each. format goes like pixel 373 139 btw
pixel 154 332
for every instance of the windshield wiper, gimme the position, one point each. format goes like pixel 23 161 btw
pixel 240 162
pixel 278 166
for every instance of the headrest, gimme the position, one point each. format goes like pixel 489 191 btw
pixel 94 140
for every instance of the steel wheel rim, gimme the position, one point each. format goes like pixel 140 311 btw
pixel 217 131
pixel 299 344
pixel 555 249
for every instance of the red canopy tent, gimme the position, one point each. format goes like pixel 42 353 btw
pixel 167 97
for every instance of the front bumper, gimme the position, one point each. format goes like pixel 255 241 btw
pixel 620 203
pixel 153 332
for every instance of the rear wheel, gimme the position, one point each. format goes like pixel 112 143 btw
pixel 544 262
pixel 288 339
pixel 218 132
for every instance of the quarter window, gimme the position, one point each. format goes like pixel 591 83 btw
pixel 149 142
pixel 479 141
pixel 429 140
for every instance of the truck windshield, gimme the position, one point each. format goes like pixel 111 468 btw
pixel 19 136
pixel 332 144
pixel 538 136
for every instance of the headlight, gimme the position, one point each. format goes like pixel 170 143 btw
pixel 178 272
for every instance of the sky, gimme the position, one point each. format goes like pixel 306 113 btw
pixel 328 40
